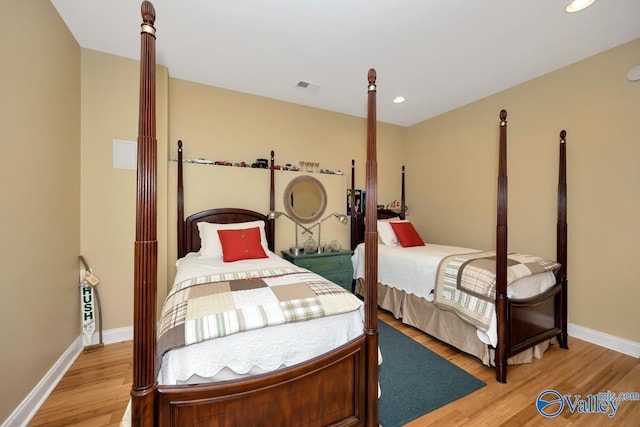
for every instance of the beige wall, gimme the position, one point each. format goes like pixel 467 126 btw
pixel 110 86
pixel 40 187
pixel 451 180
pixel 218 124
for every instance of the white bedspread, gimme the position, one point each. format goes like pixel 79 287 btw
pixel 255 351
pixel 413 271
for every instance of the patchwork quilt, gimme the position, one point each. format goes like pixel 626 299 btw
pixel 465 283
pixel 218 305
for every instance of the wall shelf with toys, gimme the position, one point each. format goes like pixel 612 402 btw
pixel 261 163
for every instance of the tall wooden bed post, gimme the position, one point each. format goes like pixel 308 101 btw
pixel 146 246
pixel 180 225
pixel 501 255
pixel 403 205
pixel 562 242
pixel 272 202
pixel 371 255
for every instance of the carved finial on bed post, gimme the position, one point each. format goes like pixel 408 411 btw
pixel 148 13
pixel 372 79
pixel 503 117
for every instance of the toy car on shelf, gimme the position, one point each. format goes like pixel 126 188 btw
pixel 201 161
pixel 261 163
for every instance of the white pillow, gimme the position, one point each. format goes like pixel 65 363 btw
pixel 210 246
pixel 386 235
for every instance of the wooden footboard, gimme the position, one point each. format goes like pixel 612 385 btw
pixel 533 320
pixel 326 391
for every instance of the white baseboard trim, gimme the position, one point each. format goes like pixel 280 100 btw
pixel 30 405
pixel 602 339
pixel 113 336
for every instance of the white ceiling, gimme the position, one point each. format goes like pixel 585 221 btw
pixel 439 54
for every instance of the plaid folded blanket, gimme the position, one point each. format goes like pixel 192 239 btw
pixel 218 305
pixel 465 283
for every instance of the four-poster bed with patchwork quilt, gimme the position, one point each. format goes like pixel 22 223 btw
pixel 338 387
pixel 420 284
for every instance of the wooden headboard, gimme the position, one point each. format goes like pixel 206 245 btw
pixel 388 213
pixel 221 216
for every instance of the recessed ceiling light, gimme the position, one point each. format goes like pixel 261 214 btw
pixel 578 5
pixel 399 99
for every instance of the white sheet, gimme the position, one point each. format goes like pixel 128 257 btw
pixel 255 351
pixel 413 270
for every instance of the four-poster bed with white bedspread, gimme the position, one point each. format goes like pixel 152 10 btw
pixel 338 388
pixel 527 314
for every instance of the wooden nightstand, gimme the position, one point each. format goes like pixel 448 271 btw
pixel 334 266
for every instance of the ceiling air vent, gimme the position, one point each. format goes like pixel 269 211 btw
pixel 303 84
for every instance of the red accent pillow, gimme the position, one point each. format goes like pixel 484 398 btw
pixel 241 244
pixel 407 234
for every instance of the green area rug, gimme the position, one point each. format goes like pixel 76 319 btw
pixel 414 380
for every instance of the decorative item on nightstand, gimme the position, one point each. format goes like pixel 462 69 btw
pixel 310 246
pixel 341 218
pixel 276 215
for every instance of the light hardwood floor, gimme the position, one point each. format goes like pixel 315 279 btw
pixel 95 391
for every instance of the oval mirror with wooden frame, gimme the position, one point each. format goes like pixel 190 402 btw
pixel 305 199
